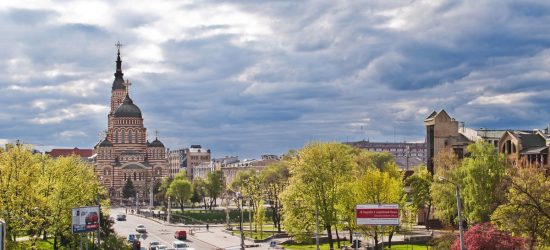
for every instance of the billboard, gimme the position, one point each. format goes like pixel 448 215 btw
pixel 85 219
pixel 377 214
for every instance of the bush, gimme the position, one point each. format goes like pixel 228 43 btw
pixel 444 242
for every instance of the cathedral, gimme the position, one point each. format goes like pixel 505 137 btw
pixel 125 152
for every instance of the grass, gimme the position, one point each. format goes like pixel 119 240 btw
pixel 254 235
pixel 326 246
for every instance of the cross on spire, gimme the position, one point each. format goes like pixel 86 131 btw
pixel 127 84
pixel 157 134
pixel 100 134
pixel 118 45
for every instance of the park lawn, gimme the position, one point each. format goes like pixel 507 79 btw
pixel 40 244
pixel 326 246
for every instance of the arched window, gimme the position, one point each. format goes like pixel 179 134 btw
pixel 129 136
pixel 124 176
pixel 135 176
pixel 140 176
pixel 122 136
pixel 104 172
pixel 116 136
pixel 136 136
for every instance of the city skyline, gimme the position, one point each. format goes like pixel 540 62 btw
pixel 247 79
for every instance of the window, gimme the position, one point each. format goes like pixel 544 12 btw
pixel 123 136
pixel 104 172
pixel 140 176
pixel 129 136
pixel 136 136
pixel 116 136
pixel 135 177
pixel 124 176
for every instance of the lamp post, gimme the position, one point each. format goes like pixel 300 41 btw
pixel 317 223
pixel 137 203
pixel 459 212
pixel 169 210
pixel 240 197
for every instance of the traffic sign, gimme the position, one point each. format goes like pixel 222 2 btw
pixel 131 237
pixel 273 244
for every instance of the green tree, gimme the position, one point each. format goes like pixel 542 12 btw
pixel 181 191
pixel 198 194
pixel 163 190
pixel 446 164
pixel 274 179
pixel 420 183
pixel 215 186
pixel 526 211
pixel 128 191
pixel 480 177
pixel 318 173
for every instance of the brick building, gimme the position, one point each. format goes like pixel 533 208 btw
pixel 125 152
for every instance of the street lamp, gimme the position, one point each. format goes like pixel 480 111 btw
pixel 459 212
pixel 137 203
pixel 240 197
pixel 169 210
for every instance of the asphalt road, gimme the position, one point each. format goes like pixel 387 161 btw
pixel 155 231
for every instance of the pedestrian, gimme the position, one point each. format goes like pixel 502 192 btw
pixel 126 210
pixel 206 227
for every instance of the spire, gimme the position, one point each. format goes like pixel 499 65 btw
pixel 118 83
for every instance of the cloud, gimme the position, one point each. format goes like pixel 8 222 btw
pixel 249 78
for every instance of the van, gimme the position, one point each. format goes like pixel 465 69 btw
pixel 180 235
pixel 121 217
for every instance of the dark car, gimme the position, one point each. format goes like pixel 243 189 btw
pixel 121 217
pixel 92 218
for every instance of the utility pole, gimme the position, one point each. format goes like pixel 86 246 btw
pixel 317 222
pixel 249 220
pixel 99 220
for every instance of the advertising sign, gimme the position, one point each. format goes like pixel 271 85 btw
pixel 377 214
pixel 85 219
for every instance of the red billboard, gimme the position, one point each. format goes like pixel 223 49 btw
pixel 377 214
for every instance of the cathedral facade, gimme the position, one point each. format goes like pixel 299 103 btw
pixel 125 152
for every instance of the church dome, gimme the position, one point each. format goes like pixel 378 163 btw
pixel 105 143
pixel 156 143
pixel 127 109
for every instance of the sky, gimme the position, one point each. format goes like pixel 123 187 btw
pixel 246 78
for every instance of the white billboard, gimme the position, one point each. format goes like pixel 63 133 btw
pixel 377 214
pixel 85 219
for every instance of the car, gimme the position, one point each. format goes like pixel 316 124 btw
pixel 92 218
pixel 161 247
pixel 180 235
pixel 111 219
pixel 121 217
pixel 141 229
pixel 153 245
pixel 180 245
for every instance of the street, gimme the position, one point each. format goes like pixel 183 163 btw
pixel 155 231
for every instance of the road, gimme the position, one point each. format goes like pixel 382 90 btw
pixel 155 231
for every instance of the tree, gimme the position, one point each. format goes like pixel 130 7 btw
pixel 446 164
pixel 420 183
pixel 484 236
pixel 318 173
pixel 128 191
pixel 215 185
pixel 380 187
pixel 181 191
pixel 198 185
pixel 480 177
pixel 526 211
pixel 163 190
pixel 274 179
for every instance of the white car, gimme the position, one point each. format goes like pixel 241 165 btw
pixel 179 245
pixel 141 229
pixel 161 247
pixel 153 245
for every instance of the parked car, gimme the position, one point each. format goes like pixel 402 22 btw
pixel 141 229
pixel 180 245
pixel 92 218
pixel 161 247
pixel 111 219
pixel 180 235
pixel 121 217
pixel 153 245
